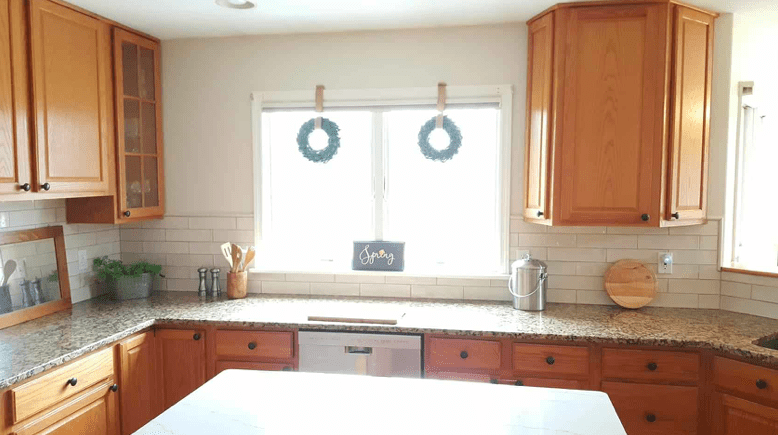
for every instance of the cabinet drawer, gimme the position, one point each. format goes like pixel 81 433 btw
pixel 559 360
pixel 36 395
pixel 259 344
pixel 751 380
pixel 654 409
pixel 452 353
pixel 454 376
pixel 246 365
pixel 643 365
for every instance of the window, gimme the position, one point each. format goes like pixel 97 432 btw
pixel 755 235
pixel 452 216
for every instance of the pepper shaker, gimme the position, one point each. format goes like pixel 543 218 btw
pixel 202 290
pixel 216 290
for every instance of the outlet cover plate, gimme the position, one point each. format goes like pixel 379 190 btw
pixel 664 263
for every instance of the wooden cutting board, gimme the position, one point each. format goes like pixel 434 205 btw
pixel 630 284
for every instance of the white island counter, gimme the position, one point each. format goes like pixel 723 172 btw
pixel 290 403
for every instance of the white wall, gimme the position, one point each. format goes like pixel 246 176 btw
pixel 207 82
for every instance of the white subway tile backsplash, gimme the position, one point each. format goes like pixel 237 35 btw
pixel 188 235
pixel 577 254
pixel 709 242
pixel 576 282
pixel 361 278
pixel 708 287
pixel 436 291
pixel 142 235
pixel 607 241
pixel 593 297
pixel 334 289
pixel 240 237
pixel 520 226
pixel 283 287
pixel 491 293
pixel 169 222
pixel 212 223
pixel 403 279
pixel 709 302
pixel 245 223
pixel 708 271
pixel 736 289
pixel 577 230
pixel 558 240
pixel 213 248
pixel 463 282
pixel 748 306
pixel 190 260
pixel 561 296
pixel 309 277
pixel 385 290
pixel 636 230
pixel 671 300
pixel 166 247
pixel 766 294
pixel 561 268
pixel 668 242
pixel 591 269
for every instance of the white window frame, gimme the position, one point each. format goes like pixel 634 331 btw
pixel 398 97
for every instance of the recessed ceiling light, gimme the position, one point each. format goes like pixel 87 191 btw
pixel 235 4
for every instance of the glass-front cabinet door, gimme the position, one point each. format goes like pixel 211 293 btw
pixel 139 130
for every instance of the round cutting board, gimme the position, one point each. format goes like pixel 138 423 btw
pixel 630 284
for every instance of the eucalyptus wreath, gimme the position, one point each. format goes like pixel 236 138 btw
pixel 455 140
pixel 323 155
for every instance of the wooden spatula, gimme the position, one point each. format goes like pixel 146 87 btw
pixel 237 254
pixel 249 258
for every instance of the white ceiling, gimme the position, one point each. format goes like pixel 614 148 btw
pixel 170 19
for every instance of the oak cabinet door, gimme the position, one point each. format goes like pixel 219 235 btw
pixel 71 95
pixel 138 394
pixel 181 362
pixel 14 140
pixel 139 126
pixel 91 413
pixel 689 144
pixel 612 115
pixel 740 417
pixel 539 77
pixel 654 409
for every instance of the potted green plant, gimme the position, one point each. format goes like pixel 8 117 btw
pixel 126 281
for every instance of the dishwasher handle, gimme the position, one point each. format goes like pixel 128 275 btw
pixel 358 350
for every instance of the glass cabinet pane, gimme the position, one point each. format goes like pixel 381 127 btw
pixel 149 126
pixel 130 68
pixel 134 189
pixel 150 184
pixel 146 74
pixel 131 126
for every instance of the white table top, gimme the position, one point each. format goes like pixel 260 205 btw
pixel 292 403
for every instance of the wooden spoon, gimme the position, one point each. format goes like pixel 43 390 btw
pixel 8 270
pixel 249 258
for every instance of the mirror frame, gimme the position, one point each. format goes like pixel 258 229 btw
pixel 46 308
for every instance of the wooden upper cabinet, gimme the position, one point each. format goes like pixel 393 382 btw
pixel 139 126
pixel 15 175
pixel 140 181
pixel 71 76
pixel 539 67
pixel 688 163
pixel 617 127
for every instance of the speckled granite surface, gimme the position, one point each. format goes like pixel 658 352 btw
pixel 35 346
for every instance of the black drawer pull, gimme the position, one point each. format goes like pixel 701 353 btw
pixel 519 383
pixel 286 369
pixel 252 345
pixel 114 388
pixel 550 360
pixel 652 366
pixel 761 384
pixel 463 354
pixel 494 381
pixel 196 337
pixel 650 418
pixel 72 382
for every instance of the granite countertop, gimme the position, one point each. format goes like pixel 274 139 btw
pixel 32 347
pixel 356 405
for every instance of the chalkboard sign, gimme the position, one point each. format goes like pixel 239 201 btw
pixel 383 256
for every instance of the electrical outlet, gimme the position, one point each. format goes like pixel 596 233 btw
pixel 4 218
pixel 21 270
pixel 83 264
pixel 665 263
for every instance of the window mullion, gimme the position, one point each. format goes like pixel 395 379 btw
pixel 378 174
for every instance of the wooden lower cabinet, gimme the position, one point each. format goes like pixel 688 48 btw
pixel 736 416
pixel 180 362
pixel 247 365
pixel 654 409
pixel 139 394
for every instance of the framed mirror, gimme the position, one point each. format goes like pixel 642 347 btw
pixel 34 278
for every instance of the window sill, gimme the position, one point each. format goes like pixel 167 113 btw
pixel 380 273
pixel 750 272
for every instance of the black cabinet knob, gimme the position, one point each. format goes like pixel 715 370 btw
pixel 127 213
pixel 652 366
pixel 286 369
pixel 540 213
pixel 676 215
pixel 519 383
pixel 252 345
pixel 650 418
pixel 25 187
pixel 196 337
pixel 46 186
pixel 550 360
pixel 645 217
pixel 761 384
pixel 463 354
pixel 72 382
pixel 114 388
pixel 494 381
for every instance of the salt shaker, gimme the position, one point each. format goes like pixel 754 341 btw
pixel 216 291
pixel 203 288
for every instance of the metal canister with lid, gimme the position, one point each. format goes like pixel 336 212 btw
pixel 528 284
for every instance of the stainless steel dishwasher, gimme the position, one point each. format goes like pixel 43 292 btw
pixel 360 354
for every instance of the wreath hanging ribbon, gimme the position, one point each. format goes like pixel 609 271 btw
pixel 455 138
pixel 333 143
